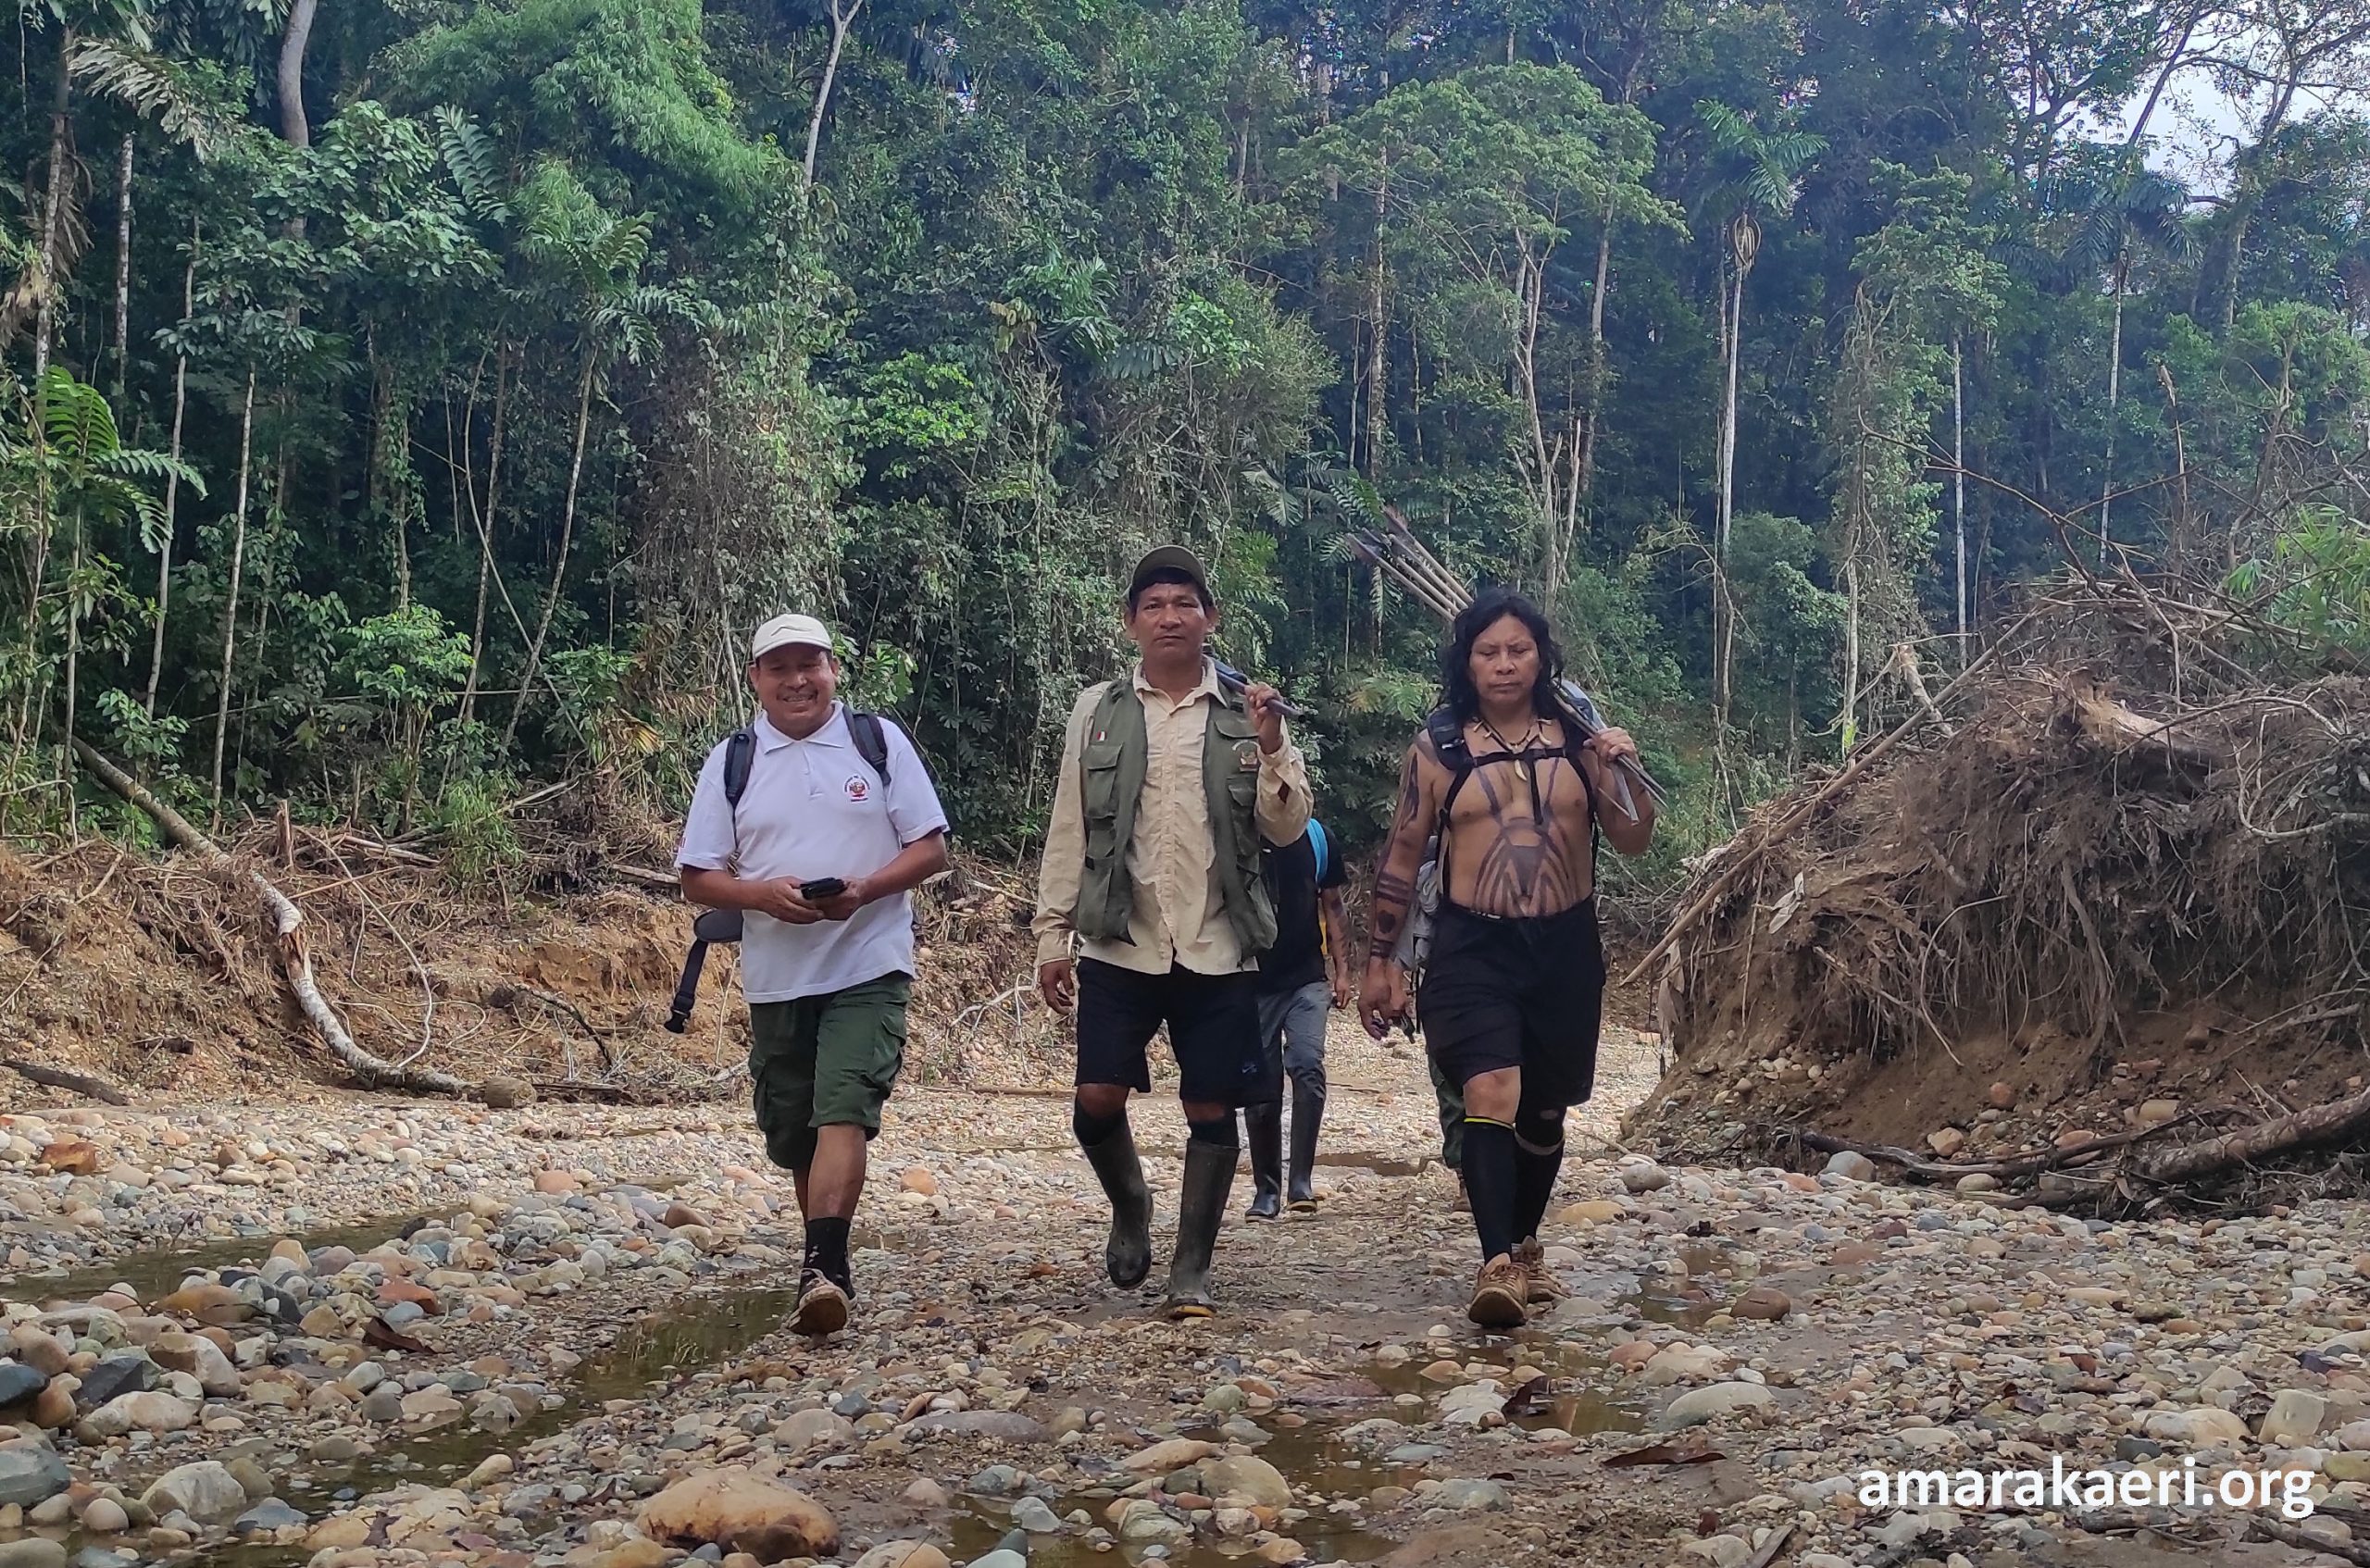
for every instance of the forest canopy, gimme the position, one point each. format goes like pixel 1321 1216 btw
pixel 408 402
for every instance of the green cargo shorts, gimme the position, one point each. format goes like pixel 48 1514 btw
pixel 825 1061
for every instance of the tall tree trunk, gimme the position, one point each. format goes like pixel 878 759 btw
pixel 292 126
pixel 53 219
pixel 231 605
pixel 559 564
pixel 1585 467
pixel 1744 246
pixel 841 22
pixel 2114 396
pixel 1377 361
pixel 172 481
pixel 485 530
pixel 1852 655
pixel 122 271
pixel 73 666
pixel 1958 480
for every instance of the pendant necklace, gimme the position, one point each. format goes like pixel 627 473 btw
pixel 1521 760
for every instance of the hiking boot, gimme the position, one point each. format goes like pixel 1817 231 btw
pixel 1464 1204
pixel 1126 1257
pixel 1308 1113
pixel 1263 1126
pixel 1531 1258
pixel 1498 1294
pixel 1209 1175
pixel 822 1306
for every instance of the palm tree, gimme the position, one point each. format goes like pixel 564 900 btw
pixel 593 259
pixel 1760 176
pixel 2123 208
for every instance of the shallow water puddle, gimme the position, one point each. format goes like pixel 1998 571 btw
pixel 155 1274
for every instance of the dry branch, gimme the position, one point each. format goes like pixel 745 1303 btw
pixel 642 877
pixel 287 922
pixel 52 1078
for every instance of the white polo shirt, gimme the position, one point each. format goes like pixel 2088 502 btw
pixel 815 808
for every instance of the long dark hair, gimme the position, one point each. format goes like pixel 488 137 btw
pixel 1489 607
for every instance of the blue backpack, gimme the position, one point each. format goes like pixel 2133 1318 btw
pixel 1316 841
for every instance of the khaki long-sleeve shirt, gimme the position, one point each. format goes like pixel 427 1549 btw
pixel 1172 858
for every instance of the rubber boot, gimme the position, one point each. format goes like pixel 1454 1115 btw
pixel 1263 1128
pixel 1127 1255
pixel 1209 1176
pixel 1308 1113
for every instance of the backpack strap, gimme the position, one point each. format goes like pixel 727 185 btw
pixel 1316 841
pixel 740 752
pixel 871 741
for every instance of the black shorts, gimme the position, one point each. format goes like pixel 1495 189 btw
pixel 1213 1028
pixel 1525 993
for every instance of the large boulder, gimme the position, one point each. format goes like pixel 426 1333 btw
pixel 206 1491
pixel 739 1511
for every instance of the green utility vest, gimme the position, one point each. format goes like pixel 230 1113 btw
pixel 1111 780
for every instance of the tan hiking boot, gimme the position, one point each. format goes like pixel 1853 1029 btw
pixel 1464 1204
pixel 1498 1294
pixel 822 1307
pixel 1543 1286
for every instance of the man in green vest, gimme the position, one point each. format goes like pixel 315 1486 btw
pixel 1169 782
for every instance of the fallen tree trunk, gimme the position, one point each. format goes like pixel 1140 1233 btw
pixel 55 1077
pixel 296 963
pixel 2315 1123
pixel 2022 1166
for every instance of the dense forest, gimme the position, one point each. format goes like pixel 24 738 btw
pixel 408 401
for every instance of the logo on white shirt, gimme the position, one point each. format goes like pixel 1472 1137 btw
pixel 859 790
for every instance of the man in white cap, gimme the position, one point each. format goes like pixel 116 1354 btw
pixel 817 823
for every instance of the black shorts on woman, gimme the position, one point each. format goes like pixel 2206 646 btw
pixel 1523 992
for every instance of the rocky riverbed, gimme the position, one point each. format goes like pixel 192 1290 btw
pixel 355 1334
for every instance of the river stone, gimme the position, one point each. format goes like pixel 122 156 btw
pixel 1252 1479
pixel 19 1382
pixel 995 1481
pixel 2295 1418
pixel 903 1554
pixel 1468 1496
pixel 30 1473
pixel 268 1516
pixel 115 1376
pixel 151 1411
pixel 740 1512
pixel 1009 1426
pixel 1174 1454
pixel 206 1491
pixel 1032 1516
pixel 810 1427
pixel 34 1551
pixel 1698 1405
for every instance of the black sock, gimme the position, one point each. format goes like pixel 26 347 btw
pixel 827 1252
pixel 1535 1172
pixel 1488 1165
pixel 1092 1130
pixel 1220 1134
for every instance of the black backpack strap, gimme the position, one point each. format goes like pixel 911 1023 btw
pixel 871 741
pixel 740 752
pixel 1447 735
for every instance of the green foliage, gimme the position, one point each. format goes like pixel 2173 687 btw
pixel 1075 279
